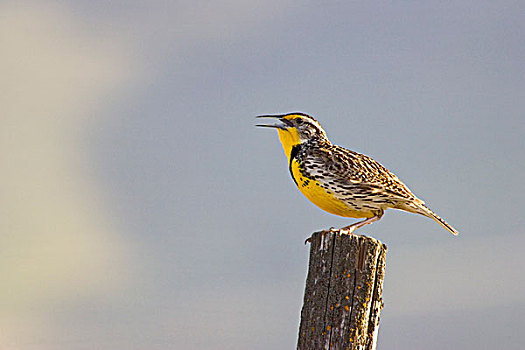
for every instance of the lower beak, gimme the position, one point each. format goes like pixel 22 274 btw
pixel 279 125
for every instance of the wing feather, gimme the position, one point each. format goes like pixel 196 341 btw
pixel 338 166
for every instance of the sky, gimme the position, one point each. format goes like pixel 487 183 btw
pixel 141 208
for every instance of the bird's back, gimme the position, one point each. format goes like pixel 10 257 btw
pixel 353 177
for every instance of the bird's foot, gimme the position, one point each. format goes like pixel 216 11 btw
pixel 331 229
pixel 347 230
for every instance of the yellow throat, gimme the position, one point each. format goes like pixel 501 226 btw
pixel 288 138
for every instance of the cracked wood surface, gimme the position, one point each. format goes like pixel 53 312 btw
pixel 343 293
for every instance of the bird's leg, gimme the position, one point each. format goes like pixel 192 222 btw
pixel 355 226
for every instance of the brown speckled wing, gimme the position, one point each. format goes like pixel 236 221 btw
pixel 343 168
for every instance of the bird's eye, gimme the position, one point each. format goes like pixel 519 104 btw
pixel 299 121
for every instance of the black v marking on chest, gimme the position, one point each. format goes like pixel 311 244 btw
pixel 293 154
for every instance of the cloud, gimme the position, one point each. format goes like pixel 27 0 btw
pixel 58 243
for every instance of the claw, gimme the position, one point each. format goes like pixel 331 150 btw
pixel 309 239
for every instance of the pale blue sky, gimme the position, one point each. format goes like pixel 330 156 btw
pixel 143 209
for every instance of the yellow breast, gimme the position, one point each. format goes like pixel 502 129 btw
pixel 322 198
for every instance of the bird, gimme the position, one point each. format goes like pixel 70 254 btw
pixel 338 180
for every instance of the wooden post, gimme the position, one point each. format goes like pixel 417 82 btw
pixel 343 293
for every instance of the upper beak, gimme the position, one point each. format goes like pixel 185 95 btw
pixel 280 125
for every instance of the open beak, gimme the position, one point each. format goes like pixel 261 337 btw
pixel 281 124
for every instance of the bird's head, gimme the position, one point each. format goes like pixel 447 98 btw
pixel 296 128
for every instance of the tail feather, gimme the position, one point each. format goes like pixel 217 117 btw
pixel 424 210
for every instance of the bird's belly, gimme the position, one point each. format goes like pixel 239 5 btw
pixel 325 199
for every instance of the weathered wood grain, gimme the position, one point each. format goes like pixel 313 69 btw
pixel 343 293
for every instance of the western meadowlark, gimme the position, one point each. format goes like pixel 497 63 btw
pixel 340 181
